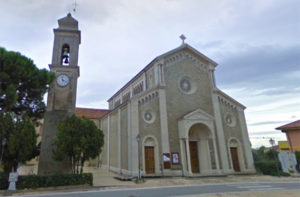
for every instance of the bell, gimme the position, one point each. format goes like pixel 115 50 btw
pixel 65 54
pixel 66 60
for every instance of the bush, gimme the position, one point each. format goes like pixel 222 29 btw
pixel 267 167
pixel 3 180
pixel 36 181
pixel 280 173
pixel 297 154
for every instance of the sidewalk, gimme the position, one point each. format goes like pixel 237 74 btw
pixel 104 178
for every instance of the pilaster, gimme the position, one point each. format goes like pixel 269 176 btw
pixel 108 140
pixel 220 135
pixel 129 151
pixel 164 121
pixel 119 138
pixel 246 143
pixel 133 134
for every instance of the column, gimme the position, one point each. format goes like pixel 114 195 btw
pixel 216 154
pixel 187 148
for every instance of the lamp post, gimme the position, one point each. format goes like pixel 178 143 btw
pixel 4 140
pixel 272 142
pixel 138 139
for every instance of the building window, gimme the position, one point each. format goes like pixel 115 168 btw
pixel 117 103
pixel 230 120
pixel 125 97
pixel 186 85
pixel 149 116
pixel 138 88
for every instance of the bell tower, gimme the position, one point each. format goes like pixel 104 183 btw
pixel 62 95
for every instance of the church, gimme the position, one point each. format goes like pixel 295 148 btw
pixel 170 119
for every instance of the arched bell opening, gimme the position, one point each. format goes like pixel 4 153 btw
pixel 202 159
pixel 65 55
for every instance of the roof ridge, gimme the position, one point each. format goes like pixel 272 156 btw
pixel 294 124
pixel 91 108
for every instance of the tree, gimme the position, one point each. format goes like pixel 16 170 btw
pixel 22 87
pixel 78 140
pixel 21 138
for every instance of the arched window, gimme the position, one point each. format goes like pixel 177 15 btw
pixel 65 55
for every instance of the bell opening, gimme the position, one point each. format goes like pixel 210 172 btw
pixel 65 57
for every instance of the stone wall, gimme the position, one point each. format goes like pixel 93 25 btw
pixel 151 127
pixel 180 103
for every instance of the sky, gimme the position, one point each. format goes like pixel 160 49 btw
pixel 256 44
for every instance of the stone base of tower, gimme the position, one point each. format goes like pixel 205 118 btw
pixel 47 165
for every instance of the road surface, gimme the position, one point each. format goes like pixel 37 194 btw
pixel 180 190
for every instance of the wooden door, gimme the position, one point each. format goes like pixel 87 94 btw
pixel 194 157
pixel 149 160
pixel 235 159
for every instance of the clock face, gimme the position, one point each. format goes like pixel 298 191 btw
pixel 62 80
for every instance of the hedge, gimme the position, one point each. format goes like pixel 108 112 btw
pixel 36 181
pixel 270 168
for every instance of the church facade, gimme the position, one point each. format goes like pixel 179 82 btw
pixel 172 120
pixel 168 120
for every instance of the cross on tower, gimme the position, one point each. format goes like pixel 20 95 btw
pixel 182 37
pixel 75 6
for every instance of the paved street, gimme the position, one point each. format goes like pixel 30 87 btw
pixel 180 190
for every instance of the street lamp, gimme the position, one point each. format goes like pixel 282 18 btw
pixel 4 140
pixel 272 142
pixel 138 139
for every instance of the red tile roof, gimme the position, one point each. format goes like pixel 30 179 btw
pixel 292 125
pixel 91 113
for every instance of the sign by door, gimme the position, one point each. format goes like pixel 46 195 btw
pixel 167 160
pixel 175 158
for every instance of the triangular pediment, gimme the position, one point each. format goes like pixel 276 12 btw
pixel 198 114
pixel 188 49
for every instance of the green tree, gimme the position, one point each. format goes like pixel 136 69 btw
pixel 78 140
pixel 21 138
pixel 22 87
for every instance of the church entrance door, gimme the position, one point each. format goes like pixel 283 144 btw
pixel 235 159
pixel 149 160
pixel 194 157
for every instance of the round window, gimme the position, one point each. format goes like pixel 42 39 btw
pixel 230 120
pixel 186 85
pixel 149 116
